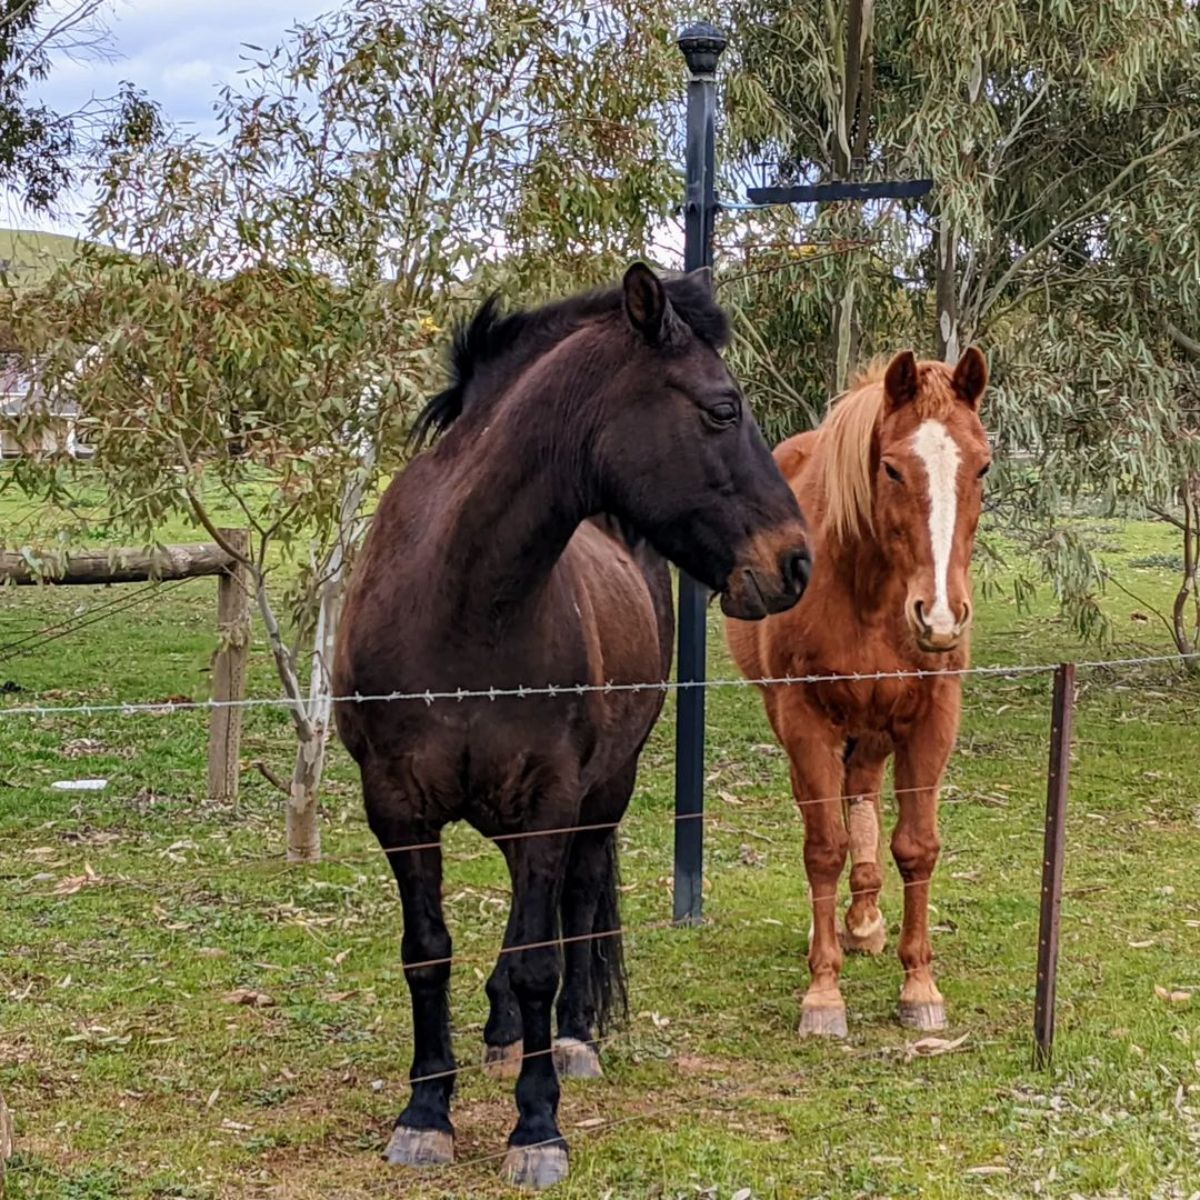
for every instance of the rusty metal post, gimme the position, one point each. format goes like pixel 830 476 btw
pixel 1057 787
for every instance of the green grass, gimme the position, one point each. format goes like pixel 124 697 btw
pixel 127 915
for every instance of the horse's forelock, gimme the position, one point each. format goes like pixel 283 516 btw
pixel 848 434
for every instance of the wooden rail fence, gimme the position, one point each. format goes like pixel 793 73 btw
pixel 163 563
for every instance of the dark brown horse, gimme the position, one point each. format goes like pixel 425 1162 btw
pixel 583 441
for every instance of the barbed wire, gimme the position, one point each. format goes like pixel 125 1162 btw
pixel 521 692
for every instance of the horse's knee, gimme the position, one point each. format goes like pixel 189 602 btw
pixel 535 973
pixel 915 857
pixel 826 854
pixel 427 960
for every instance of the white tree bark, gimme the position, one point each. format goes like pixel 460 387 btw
pixel 303 826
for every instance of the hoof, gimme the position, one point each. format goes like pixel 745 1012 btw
pixel 870 938
pixel 535 1166
pixel 503 1062
pixel 926 1016
pixel 823 1020
pixel 574 1059
pixel 419 1147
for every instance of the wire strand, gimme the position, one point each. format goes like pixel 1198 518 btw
pixel 131 708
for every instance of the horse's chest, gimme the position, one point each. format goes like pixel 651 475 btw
pixel 870 705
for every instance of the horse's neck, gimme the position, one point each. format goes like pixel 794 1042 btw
pixel 858 572
pixel 520 493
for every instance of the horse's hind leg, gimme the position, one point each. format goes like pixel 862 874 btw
pixel 594 972
pixel 537 1154
pixel 915 847
pixel 594 975
pixel 423 1134
pixel 502 1033
pixel 865 929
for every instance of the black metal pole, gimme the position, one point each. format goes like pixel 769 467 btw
pixel 1058 784
pixel 701 45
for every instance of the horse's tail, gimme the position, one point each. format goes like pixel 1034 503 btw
pixel 608 955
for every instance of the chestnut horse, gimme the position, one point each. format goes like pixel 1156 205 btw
pixel 892 485
pixel 583 441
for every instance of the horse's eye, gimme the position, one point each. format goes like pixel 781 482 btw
pixel 722 414
pixel 984 470
pixel 892 472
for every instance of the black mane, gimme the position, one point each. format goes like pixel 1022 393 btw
pixel 492 349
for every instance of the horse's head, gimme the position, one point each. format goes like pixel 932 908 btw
pixel 681 457
pixel 928 489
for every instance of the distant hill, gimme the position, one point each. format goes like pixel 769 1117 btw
pixel 27 257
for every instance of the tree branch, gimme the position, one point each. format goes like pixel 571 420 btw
pixel 1080 212
pixel 1187 344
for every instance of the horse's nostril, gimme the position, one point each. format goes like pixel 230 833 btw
pixel 919 613
pixel 797 569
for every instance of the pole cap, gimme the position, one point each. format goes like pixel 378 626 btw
pixel 702 44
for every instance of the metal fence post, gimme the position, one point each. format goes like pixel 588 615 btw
pixel 701 45
pixel 1058 784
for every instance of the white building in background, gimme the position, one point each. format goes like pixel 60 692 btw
pixel 20 395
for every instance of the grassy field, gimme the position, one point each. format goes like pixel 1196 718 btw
pixel 30 257
pixel 127 916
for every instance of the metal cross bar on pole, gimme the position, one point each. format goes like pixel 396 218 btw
pixel 848 189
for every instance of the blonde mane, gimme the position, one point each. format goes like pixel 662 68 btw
pixel 848 433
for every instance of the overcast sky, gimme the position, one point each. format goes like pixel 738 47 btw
pixel 179 52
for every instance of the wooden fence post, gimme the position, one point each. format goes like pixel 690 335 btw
pixel 229 671
pixel 1058 784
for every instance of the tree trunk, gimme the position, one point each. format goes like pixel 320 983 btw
pixel 946 290
pixel 845 339
pixel 1187 639
pixel 303 828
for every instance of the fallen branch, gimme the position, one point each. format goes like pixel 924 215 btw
pixel 270 776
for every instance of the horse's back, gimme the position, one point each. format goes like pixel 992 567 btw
pixel 794 454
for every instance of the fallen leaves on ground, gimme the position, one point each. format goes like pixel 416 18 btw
pixel 249 997
pixel 931 1047
pixel 76 883
pixel 1172 996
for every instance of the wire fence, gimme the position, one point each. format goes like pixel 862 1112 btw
pixel 958 862
pixel 523 692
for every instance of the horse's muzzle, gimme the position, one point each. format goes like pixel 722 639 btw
pixel 749 596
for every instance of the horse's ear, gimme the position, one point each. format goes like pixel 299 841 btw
pixel 971 376
pixel 900 382
pixel 702 275
pixel 646 303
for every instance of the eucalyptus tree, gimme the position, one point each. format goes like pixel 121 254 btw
pixel 1062 232
pixel 258 316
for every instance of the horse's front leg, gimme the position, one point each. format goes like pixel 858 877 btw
pixel 423 1134
pixel 920 761
pixel 817 782
pixel 537 1155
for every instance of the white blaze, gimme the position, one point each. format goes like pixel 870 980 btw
pixel 938 451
